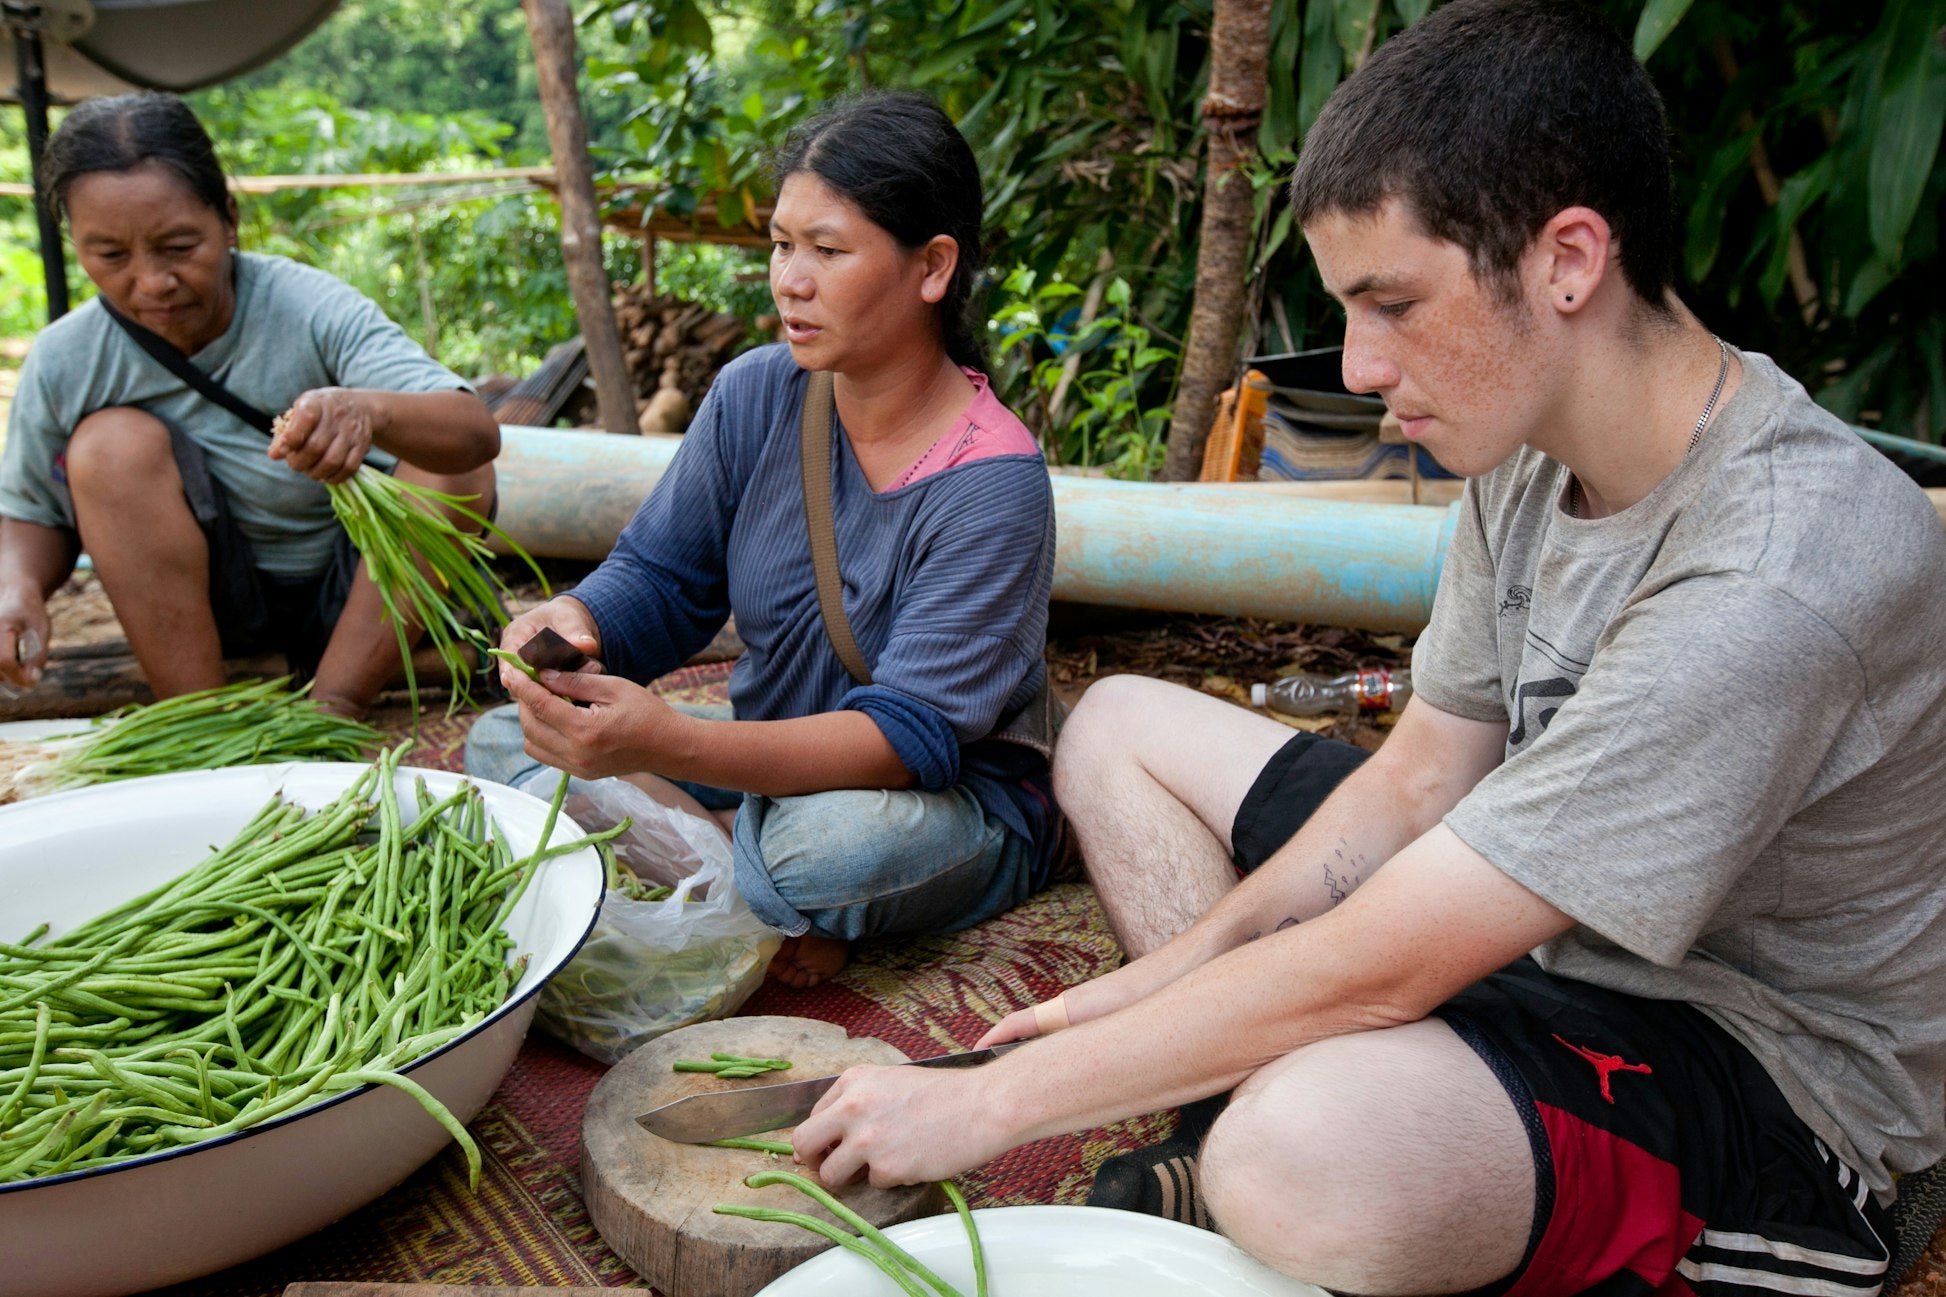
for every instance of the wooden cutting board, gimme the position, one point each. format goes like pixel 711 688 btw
pixel 650 1199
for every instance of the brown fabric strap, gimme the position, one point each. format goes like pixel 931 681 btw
pixel 816 456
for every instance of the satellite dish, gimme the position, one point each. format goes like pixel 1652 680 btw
pixel 63 51
pixel 95 47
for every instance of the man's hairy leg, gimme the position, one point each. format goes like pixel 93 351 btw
pixel 1150 776
pixel 1384 1163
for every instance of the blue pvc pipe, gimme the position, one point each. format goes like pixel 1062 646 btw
pixel 1230 550
pixel 1241 552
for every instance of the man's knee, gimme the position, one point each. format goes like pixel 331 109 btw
pixel 118 446
pixel 1361 1161
pixel 1107 725
pixel 1265 1154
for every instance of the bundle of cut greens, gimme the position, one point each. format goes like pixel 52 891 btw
pixel 316 952
pixel 248 723
pixel 430 571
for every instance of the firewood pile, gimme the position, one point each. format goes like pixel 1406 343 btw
pixel 673 349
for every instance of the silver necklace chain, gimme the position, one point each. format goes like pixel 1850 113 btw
pixel 1696 434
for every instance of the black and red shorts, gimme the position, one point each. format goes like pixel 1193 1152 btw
pixel 1666 1160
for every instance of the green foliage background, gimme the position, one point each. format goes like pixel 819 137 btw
pixel 384 86
pixel 1806 131
pixel 1806 134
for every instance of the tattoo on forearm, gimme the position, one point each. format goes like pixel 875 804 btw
pixel 1343 872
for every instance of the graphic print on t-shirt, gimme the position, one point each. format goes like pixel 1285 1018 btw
pixel 1548 677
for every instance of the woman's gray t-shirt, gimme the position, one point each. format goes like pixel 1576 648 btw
pixel 1726 756
pixel 295 328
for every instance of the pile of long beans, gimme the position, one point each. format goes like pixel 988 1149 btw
pixel 398 526
pixel 314 953
pixel 906 1271
pixel 248 723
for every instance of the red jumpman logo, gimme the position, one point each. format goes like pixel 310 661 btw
pixel 1606 1064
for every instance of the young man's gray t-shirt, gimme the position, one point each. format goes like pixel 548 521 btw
pixel 295 329
pixel 1726 756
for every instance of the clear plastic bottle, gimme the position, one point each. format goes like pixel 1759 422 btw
pixel 1375 689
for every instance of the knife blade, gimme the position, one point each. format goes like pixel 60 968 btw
pixel 550 650
pixel 727 1114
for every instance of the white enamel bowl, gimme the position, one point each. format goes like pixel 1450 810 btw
pixel 174 1216
pixel 1062 1251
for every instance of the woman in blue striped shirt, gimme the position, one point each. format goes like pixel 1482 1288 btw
pixel 855 808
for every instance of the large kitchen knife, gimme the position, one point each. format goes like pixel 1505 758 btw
pixel 726 1114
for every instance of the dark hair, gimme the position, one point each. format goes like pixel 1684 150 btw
pixel 902 161
pixel 128 131
pixel 1488 117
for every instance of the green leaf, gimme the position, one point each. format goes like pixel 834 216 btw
pixel 1727 168
pixel 1932 352
pixel 972 119
pixel 1871 280
pixel 1794 198
pixel 1847 396
pixel 1411 11
pixel 1005 13
pixel 1352 20
pixel 1659 18
pixel 1908 119
pixel 1072 142
pixel 753 106
pixel 1323 64
pixel 689 26
pixel 948 59
pixel 1280 230
pixel 1277 136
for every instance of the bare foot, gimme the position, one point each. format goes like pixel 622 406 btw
pixel 342 707
pixel 807 960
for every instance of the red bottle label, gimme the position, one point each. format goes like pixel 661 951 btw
pixel 1375 690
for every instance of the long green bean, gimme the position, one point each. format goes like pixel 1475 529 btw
pixel 776 1146
pixel 313 953
pixel 871 1243
pixel 825 1228
pixel 822 1197
pixel 965 1213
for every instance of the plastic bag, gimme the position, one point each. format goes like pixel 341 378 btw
pixel 652 966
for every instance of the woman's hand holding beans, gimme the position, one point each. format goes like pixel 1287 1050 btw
pixel 325 434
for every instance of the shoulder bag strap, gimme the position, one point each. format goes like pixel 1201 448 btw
pixel 816 456
pixel 165 354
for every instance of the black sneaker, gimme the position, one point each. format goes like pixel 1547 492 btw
pixel 1916 1215
pixel 1161 1180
